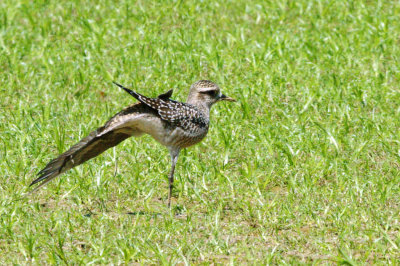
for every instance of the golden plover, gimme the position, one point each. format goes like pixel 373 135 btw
pixel 175 125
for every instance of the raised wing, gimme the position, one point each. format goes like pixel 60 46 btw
pixel 117 129
pixel 180 114
pixel 166 95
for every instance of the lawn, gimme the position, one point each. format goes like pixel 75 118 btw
pixel 304 168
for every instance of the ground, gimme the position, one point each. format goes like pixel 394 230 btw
pixel 304 168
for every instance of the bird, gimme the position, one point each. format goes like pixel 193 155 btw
pixel 176 125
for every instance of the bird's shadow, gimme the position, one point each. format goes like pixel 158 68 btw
pixel 144 213
pixel 133 213
pixel 156 214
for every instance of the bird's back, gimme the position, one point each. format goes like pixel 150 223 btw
pixel 172 123
pixel 175 124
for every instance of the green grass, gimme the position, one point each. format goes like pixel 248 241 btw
pixel 303 168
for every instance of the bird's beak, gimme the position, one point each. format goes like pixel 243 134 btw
pixel 223 97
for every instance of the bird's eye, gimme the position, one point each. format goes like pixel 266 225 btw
pixel 212 93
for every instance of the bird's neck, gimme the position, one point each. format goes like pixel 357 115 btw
pixel 201 106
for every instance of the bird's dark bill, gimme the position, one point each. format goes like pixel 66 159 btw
pixel 226 98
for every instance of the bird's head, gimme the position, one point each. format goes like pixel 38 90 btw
pixel 206 92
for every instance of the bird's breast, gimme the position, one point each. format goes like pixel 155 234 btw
pixel 183 138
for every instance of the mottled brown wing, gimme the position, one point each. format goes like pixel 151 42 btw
pixel 89 147
pixel 116 130
pixel 165 95
pixel 183 115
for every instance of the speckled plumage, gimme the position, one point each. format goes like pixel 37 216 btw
pixel 178 114
pixel 174 124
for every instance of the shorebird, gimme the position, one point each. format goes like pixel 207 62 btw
pixel 176 125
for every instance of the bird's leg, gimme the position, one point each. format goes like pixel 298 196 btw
pixel 174 158
pixel 171 182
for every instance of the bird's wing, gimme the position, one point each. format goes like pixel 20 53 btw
pixel 117 129
pixel 180 114
pixel 165 95
pixel 154 103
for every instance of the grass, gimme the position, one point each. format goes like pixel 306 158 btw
pixel 303 169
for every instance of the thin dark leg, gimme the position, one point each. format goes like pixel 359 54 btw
pixel 174 158
pixel 171 184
